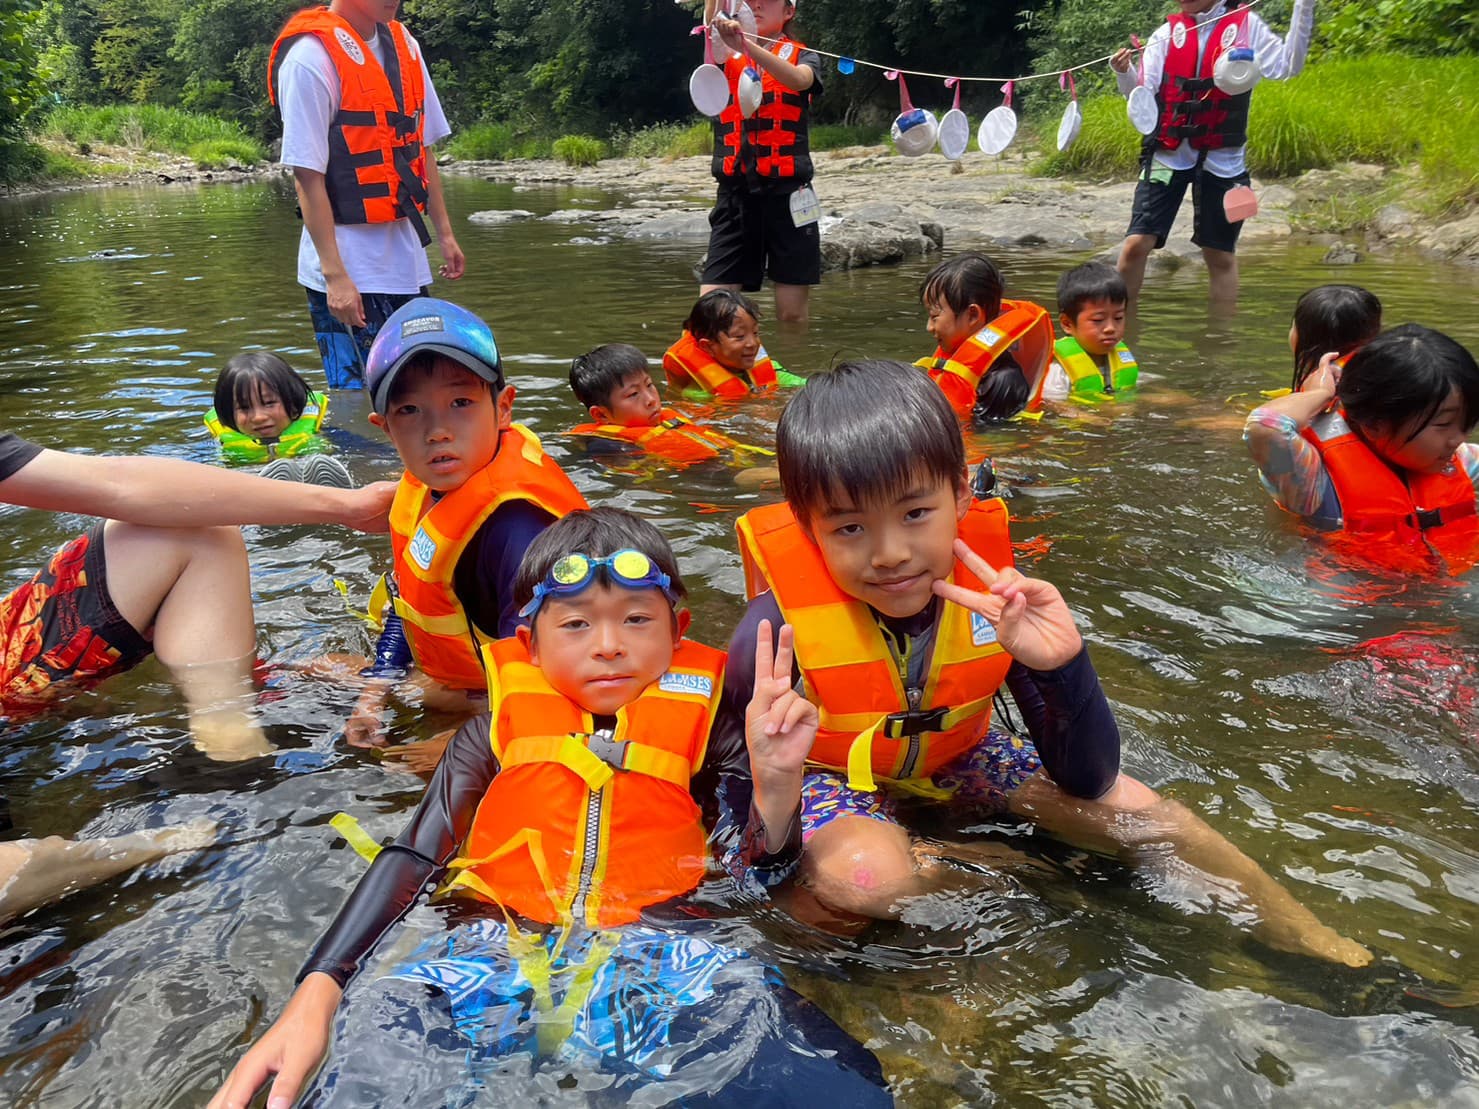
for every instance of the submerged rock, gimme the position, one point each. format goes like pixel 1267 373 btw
pixel 877 234
pixel 495 216
pixel 1342 254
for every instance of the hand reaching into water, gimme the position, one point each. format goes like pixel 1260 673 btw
pixel 1031 620
pixel 290 1049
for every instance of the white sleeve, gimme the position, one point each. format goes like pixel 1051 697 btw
pixel 434 127
pixel 1280 59
pixel 308 98
pixel 1154 58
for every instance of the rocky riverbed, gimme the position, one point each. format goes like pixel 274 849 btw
pixel 880 208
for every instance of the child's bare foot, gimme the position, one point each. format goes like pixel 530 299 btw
pixel 1316 940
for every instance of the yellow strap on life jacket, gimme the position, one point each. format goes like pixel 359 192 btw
pixel 860 754
pixel 531 839
pixel 571 752
pixel 555 1025
pixel 355 835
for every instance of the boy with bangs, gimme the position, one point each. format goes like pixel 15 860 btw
pixel 476 491
pixel 1091 361
pixel 908 617
pixel 574 807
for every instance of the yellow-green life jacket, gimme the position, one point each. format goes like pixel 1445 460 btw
pixel 299 437
pixel 1086 375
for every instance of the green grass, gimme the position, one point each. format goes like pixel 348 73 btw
pixel 496 142
pixel 146 127
pixel 579 150
pixel 1391 110
pixel 217 153
pixel 835 136
pixel 666 140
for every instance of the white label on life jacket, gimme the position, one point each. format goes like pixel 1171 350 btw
pixel 423 549
pixel 990 336
pixel 1178 35
pixel 349 46
pixel 699 685
pixel 982 633
pixel 785 52
pixel 1126 356
pixel 1229 36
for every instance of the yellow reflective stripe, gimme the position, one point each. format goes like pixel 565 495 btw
pixel 355 835
pixel 660 764
pixel 566 750
pixel 451 624
pixel 834 634
pixel 532 449
pixel 531 839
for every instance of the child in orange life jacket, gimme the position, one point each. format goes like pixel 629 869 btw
pixel 1201 133
pixel 476 491
pixel 1091 360
pixel 572 808
pixel 908 617
pixel 719 353
pixel 614 384
pixel 1337 318
pixel 1378 449
pixel 993 354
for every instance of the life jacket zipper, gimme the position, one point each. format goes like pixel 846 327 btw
pixel 590 842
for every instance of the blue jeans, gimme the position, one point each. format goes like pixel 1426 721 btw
pixel 345 349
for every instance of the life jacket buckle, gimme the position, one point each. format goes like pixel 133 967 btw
pixel 898 725
pixel 1425 518
pixel 605 747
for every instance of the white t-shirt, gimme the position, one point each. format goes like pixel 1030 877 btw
pixel 1277 59
pixel 380 257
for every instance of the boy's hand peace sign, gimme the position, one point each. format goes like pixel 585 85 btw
pixel 1032 623
pixel 780 724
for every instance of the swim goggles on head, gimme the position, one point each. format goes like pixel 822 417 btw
pixel 575 571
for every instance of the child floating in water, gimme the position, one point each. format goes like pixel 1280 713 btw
pixel 1378 451
pixel 993 354
pixel 627 414
pixel 908 618
pixel 1339 318
pixel 264 410
pixel 1091 361
pixel 719 353
pixel 570 811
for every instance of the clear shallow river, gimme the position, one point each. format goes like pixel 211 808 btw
pixel 1329 728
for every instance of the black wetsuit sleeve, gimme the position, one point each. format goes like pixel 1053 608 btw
pixel 1071 724
pixel 484 577
pixel 411 866
pixel 15 452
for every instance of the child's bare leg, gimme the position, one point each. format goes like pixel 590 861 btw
pixel 1222 276
pixel 792 302
pixel 34 872
pixel 1131 820
pixel 1134 252
pixel 193 586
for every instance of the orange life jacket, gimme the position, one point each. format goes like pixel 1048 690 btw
pixel 377 167
pixel 1023 328
pixel 675 437
pixel 1192 106
pixel 690 367
pixel 591 829
pixel 1431 516
pixel 870 724
pixel 773 143
pixel 427 542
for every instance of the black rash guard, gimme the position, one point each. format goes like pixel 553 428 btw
pixel 1065 710
pixel 413 865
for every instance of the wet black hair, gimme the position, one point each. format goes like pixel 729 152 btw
pixel 713 313
pixel 1402 377
pixel 595 532
pixel 246 375
pixel 597 374
pixel 966 279
pixel 864 432
pixel 1332 317
pixel 1090 282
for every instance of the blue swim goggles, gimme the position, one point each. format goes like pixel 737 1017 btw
pixel 574 572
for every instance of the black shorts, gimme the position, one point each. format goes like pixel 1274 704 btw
pixel 1158 197
pixel 752 237
pixel 62 627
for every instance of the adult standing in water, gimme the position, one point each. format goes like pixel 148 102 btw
pixel 359 113
pixel 764 221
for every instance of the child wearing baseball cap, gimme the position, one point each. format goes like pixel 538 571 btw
pixel 476 491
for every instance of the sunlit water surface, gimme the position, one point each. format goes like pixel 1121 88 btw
pixel 1324 723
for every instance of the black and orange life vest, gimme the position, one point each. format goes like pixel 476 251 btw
pixel 1023 328
pixel 694 370
pixel 1192 106
pixel 428 541
pixel 674 437
pixel 377 166
pixel 591 828
pixel 871 725
pixel 773 144
pixel 1397 516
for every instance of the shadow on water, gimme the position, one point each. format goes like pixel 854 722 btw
pixel 1324 722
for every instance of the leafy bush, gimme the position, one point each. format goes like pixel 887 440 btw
pixel 579 150
pixel 144 127
pixel 495 142
pixel 666 140
pixel 216 153
pixel 1351 28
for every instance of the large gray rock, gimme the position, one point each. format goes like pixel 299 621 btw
pixel 672 225
pixel 1458 240
pixel 1394 222
pixel 876 234
pixel 496 216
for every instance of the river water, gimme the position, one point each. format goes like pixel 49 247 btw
pixel 1325 723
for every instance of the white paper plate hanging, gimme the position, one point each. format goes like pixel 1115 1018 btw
pixel 1236 71
pixel 1073 118
pixel 999 127
pixel 955 128
pixel 1141 107
pixel 750 91
pixel 915 130
pixel 707 87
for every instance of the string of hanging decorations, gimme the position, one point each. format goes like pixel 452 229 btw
pixel 917 131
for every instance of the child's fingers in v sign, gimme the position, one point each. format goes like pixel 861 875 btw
pixel 780 724
pixel 1032 621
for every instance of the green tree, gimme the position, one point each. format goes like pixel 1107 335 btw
pixel 1350 28
pixel 21 86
